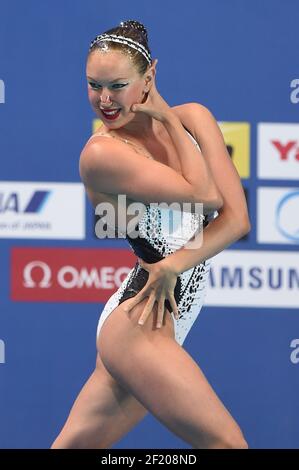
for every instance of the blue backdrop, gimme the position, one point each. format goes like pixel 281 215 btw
pixel 238 58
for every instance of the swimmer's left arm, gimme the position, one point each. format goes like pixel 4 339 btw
pixel 233 220
pixel 231 224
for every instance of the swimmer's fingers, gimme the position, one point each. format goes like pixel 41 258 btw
pixel 161 311
pixel 173 304
pixel 147 310
pixel 136 300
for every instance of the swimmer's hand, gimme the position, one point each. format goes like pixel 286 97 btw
pixel 159 287
pixel 154 105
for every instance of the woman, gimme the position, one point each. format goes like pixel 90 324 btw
pixel 149 152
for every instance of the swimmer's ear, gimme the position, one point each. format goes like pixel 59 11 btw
pixel 152 78
pixel 154 66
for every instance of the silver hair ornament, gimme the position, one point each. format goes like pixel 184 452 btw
pixel 122 40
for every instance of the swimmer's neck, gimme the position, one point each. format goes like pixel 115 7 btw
pixel 144 127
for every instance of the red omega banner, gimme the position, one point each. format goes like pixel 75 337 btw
pixel 68 274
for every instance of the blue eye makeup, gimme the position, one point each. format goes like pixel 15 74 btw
pixel 116 86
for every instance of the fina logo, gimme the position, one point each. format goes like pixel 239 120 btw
pixel 11 202
pixel 2 92
pixel 287 223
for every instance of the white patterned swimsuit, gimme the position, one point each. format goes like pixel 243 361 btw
pixel 154 242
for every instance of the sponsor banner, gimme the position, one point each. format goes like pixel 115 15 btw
pixel 68 274
pixel 42 210
pixel 237 139
pixel 237 277
pixel 96 125
pixel 254 279
pixel 278 151
pixel 278 215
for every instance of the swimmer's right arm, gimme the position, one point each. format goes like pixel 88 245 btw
pixel 113 167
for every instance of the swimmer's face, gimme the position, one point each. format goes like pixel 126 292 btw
pixel 114 83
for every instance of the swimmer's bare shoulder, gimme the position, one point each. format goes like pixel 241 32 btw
pixel 111 166
pixel 194 116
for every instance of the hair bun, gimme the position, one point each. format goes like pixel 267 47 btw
pixel 135 25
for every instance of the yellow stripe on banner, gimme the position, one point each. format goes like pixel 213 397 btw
pixel 237 139
pixel 96 124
